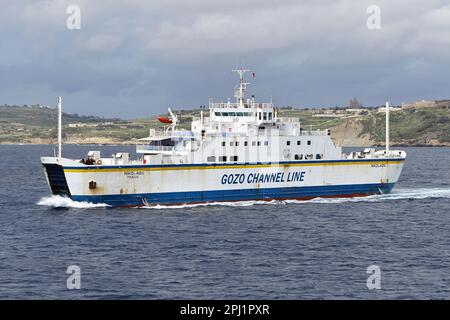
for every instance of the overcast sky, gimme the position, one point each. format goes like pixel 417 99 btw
pixel 135 58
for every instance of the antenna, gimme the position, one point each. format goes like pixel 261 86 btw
pixel 387 127
pixel 239 91
pixel 59 109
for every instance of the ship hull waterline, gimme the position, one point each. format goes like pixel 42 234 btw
pixel 151 185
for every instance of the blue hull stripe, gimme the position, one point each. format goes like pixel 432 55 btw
pixel 237 195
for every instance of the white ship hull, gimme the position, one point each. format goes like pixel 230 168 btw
pixel 137 185
pixel 240 151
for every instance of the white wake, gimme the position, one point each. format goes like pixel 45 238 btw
pixel 214 204
pixel 63 202
pixel 396 194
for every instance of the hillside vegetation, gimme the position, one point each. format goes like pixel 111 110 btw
pixel 411 126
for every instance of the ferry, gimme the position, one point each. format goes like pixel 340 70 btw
pixel 238 150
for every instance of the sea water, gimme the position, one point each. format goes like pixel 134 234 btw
pixel 313 249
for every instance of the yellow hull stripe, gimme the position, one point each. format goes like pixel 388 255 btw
pixel 238 166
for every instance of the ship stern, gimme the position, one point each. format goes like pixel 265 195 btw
pixel 56 178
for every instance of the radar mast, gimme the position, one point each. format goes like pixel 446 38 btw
pixel 239 90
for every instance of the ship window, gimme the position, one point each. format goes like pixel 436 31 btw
pixel 225 114
pixel 223 159
pixel 266 143
pixel 232 114
pixel 253 143
pixel 309 142
pixel 236 143
pixel 259 143
pixel 211 159
pixel 240 114
pixel 264 115
pixel 297 157
pixel 270 115
pixel 234 158
pixel 231 143
pixel 245 143
pixel 259 115
pixel 288 143
pixel 217 113
pixel 319 156
pixel 223 143
pixel 298 142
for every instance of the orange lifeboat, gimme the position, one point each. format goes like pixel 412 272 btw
pixel 165 120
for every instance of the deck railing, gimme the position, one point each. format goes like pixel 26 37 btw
pixel 237 105
pixel 146 147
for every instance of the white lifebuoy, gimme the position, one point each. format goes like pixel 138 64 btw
pixel 98 161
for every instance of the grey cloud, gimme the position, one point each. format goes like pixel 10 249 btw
pixel 135 57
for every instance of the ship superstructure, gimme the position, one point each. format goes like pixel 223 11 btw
pixel 241 150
